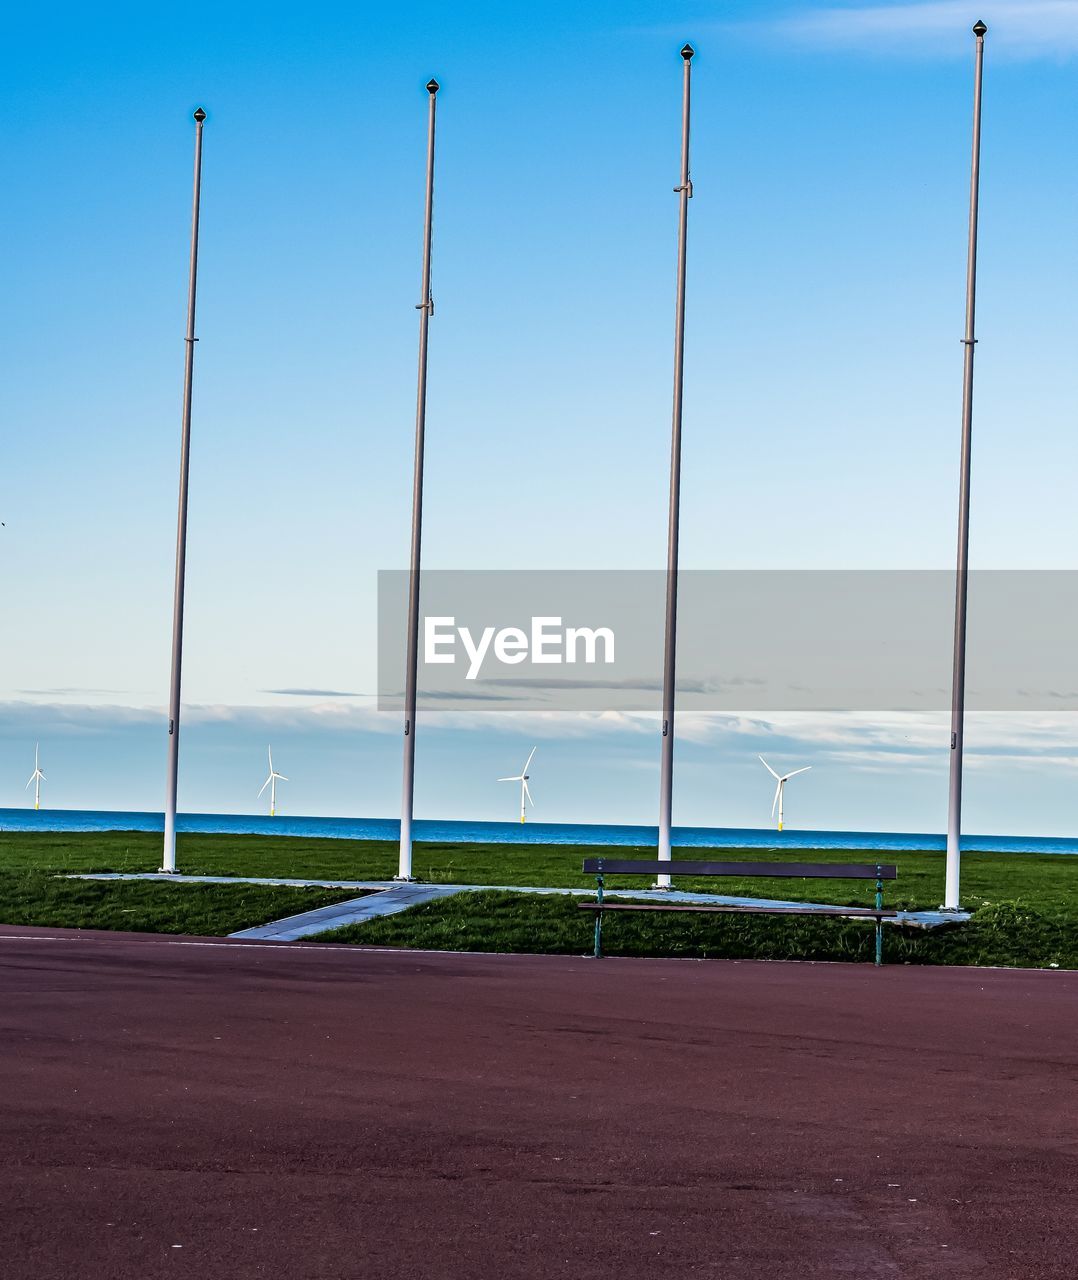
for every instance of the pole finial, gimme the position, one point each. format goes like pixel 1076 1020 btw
pixel 200 115
pixel 433 86
pixel 687 52
pixel 979 29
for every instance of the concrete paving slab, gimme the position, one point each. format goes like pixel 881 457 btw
pixel 387 902
pixel 177 877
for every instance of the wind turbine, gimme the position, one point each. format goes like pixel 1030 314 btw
pixel 782 781
pixel 37 777
pixel 522 778
pixel 271 782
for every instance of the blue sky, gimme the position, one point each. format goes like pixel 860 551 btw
pixel 830 163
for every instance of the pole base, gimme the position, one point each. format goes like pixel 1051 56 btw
pixel 662 888
pixel 166 871
pixel 405 879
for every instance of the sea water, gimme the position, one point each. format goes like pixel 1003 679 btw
pixel 456 832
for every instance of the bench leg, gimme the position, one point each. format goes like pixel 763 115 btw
pixel 879 941
pixel 600 885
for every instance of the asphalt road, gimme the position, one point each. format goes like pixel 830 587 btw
pixel 219 1109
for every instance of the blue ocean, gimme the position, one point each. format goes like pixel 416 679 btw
pixel 516 833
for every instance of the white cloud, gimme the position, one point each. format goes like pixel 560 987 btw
pixel 861 740
pixel 1018 29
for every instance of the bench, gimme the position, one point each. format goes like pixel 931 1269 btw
pixel 602 867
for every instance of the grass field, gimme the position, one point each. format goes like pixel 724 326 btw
pixel 1006 933
pixel 1026 904
pixel 1044 880
pixel 34 897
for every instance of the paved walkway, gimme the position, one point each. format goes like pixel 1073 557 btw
pixel 176 877
pixel 386 903
pixel 392 897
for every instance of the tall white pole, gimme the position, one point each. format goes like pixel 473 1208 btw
pixel 958 683
pixel 168 861
pixel 666 768
pixel 426 310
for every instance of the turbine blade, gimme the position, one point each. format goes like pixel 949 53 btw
pixel 528 761
pixel 32 777
pixel 797 771
pixel 282 777
pixel 269 752
pixel 767 767
pixel 518 778
pixel 529 795
pixel 265 785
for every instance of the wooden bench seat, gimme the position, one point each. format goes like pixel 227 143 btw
pixel 879 872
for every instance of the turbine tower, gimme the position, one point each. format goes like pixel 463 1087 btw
pixel 271 782
pixel 522 778
pixel 37 778
pixel 781 785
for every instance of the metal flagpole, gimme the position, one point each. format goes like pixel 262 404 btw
pixel 168 861
pixel 426 310
pixel 958 684
pixel 666 772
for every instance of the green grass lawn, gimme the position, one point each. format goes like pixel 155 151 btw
pixel 1026 904
pixel 34 897
pixel 1005 933
pixel 1044 880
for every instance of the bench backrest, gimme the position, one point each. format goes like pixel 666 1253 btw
pixel 682 867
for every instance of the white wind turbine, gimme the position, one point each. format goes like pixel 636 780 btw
pixel 522 778
pixel 271 782
pixel 37 778
pixel 782 781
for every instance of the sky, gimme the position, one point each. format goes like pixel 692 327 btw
pixel 830 165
